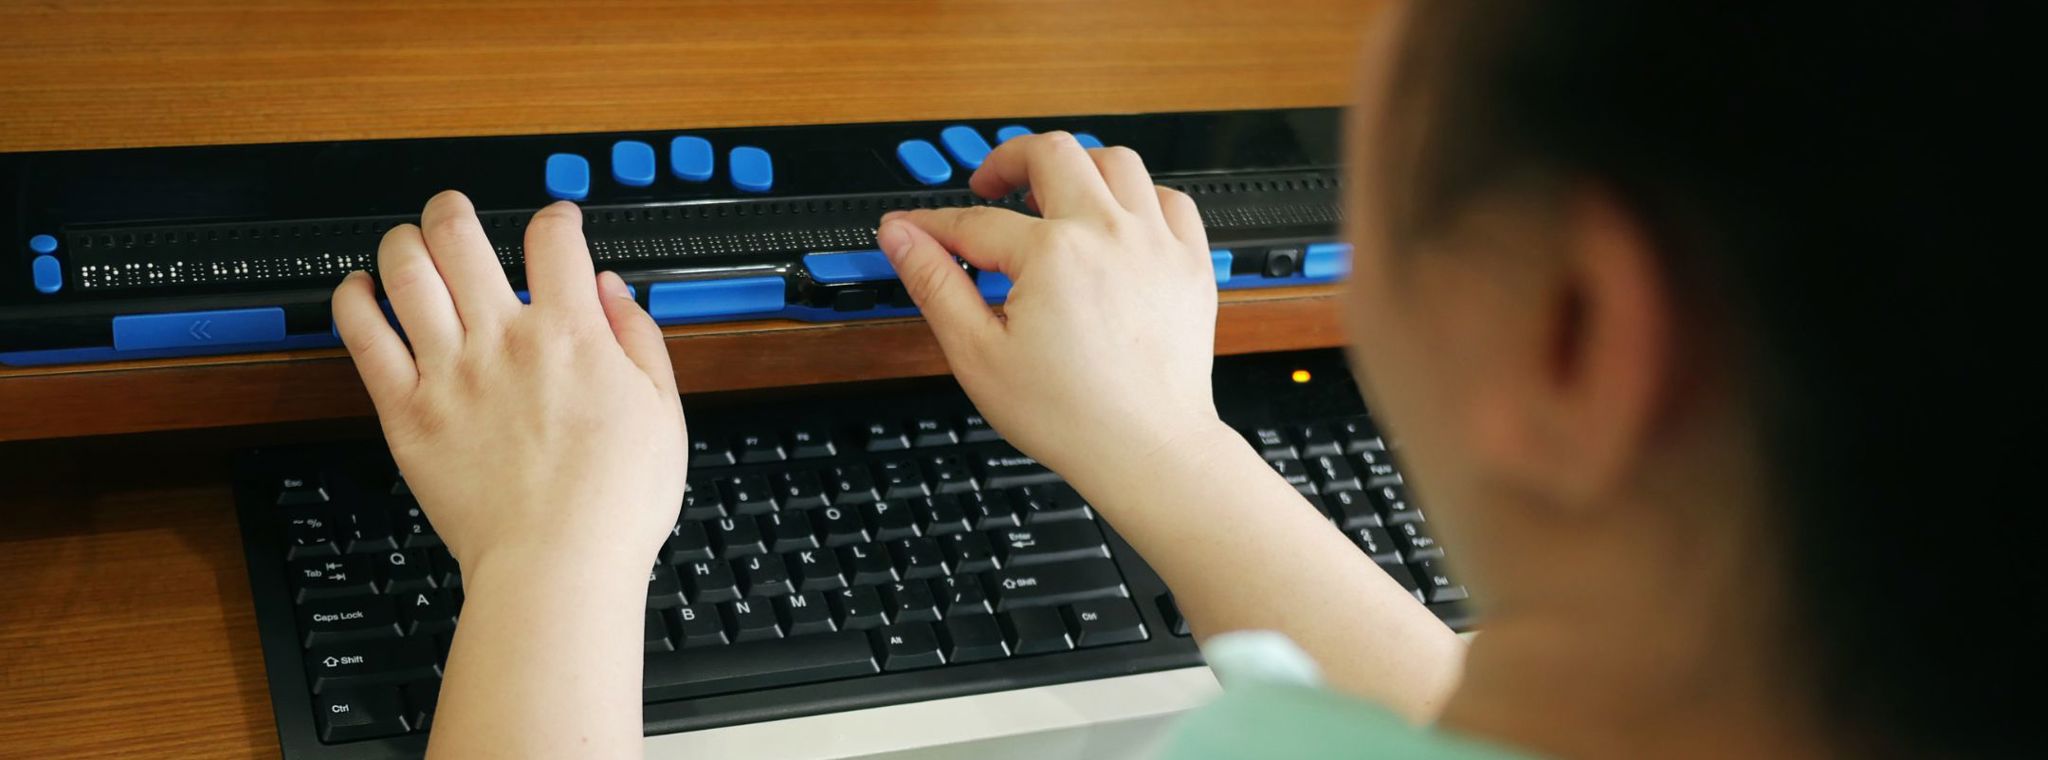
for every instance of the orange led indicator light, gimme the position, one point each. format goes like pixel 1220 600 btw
pixel 1301 376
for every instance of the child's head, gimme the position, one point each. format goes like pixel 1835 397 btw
pixel 1700 298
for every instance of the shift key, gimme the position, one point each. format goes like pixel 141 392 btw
pixel 1045 585
pixel 370 662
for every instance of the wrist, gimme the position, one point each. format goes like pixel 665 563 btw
pixel 1188 446
pixel 591 565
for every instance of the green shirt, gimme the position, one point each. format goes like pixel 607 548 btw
pixel 1272 710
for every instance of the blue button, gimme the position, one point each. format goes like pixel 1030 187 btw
pixel 48 274
pixel 194 329
pixel 924 162
pixel 852 266
pixel 995 286
pixel 1011 132
pixel 1326 260
pixel 690 158
pixel 526 297
pixel 715 298
pixel 633 163
pixel 965 144
pixel 568 177
pixel 751 168
pixel 1087 140
pixel 43 244
pixel 1221 258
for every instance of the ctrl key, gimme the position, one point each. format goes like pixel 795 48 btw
pixel 355 714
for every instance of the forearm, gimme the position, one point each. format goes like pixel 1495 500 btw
pixel 1242 550
pixel 546 661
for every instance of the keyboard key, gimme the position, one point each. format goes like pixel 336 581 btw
pixel 965 144
pixel 357 714
pixel 851 485
pixel 1359 434
pixel 990 510
pixel 567 176
pixel 790 531
pixel 752 619
pixel 801 489
pixel 1052 585
pixel 759 447
pixel 1416 545
pixel 332 621
pixel 687 542
pixel 949 474
pixel 968 552
pixel 909 646
pixel 1377 466
pixel 309 535
pixel 1352 510
pixel 962 595
pixel 748 495
pixel 886 436
pixel 1376 544
pixel 1036 631
pixel 1174 621
pixel 1458 616
pixel 1290 470
pixel 1047 544
pixel 932 431
pixel 446 573
pixel 403 570
pixel 736 537
pixel 917 558
pixel 423 613
pixel 842 526
pixel 698 626
pixel 657 637
pixel 1332 474
pixel 972 639
pixel 867 564
pixel 804 614
pixel 421 697
pixel 923 162
pixel 900 479
pixel 1437 585
pixel 707 453
pixel 360 663
pixel 691 673
pixel 910 601
pixel 816 570
pixel 709 582
pixel 765 575
pixel 890 520
pixel 1406 579
pixel 858 609
pixel 1049 503
pixel 701 500
pixel 810 443
pixel 690 158
pixel 940 515
pixel 1315 441
pixel 414 531
pixel 365 532
pixel 751 169
pixel 301 489
pixel 975 429
pixel 1271 443
pixel 1103 622
pixel 1008 468
pixel 1393 502
pixel 664 589
pixel 633 163
pixel 331 577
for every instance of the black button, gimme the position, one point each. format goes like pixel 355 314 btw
pixel 854 299
pixel 357 714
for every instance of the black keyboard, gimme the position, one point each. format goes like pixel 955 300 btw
pixel 841 548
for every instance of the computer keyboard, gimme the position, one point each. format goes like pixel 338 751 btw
pixel 838 548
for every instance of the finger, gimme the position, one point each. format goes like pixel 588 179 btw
pixel 1124 173
pixel 558 268
pixel 636 331
pixel 386 367
pixel 1183 219
pixel 989 238
pixel 1057 170
pixel 950 303
pixel 419 297
pixel 468 264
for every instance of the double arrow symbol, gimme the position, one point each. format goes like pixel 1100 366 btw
pixel 198 329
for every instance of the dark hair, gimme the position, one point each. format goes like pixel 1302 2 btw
pixel 1824 175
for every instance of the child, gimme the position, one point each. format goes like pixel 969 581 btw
pixel 1649 293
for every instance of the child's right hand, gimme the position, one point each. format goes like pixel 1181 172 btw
pixel 1104 348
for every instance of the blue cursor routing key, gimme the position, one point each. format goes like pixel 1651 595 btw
pixel 196 329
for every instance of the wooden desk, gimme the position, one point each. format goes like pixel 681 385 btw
pixel 125 626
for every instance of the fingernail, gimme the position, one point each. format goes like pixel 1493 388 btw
pixel 613 285
pixel 891 215
pixel 893 238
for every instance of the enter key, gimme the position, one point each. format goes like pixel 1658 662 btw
pixel 1049 543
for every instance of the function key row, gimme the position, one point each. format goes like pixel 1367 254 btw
pixel 756 447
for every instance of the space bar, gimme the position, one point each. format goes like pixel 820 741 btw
pixel 757 665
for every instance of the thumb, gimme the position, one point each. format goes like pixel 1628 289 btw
pixel 942 290
pixel 636 331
